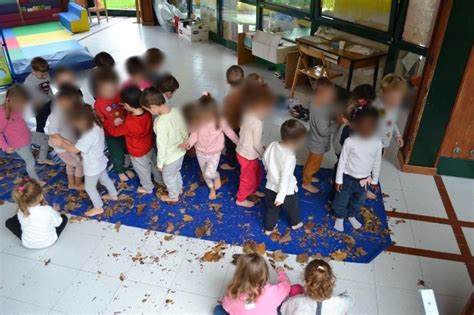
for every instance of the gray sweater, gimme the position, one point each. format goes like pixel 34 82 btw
pixel 39 89
pixel 322 125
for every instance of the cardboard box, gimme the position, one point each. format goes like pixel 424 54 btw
pixel 194 32
pixel 271 47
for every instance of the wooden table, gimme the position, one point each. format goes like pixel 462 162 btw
pixel 345 59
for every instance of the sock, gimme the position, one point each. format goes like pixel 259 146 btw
pixel 339 225
pixel 355 224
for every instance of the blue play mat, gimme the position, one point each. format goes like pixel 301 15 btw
pixel 220 219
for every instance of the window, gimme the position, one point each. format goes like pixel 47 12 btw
pixel 121 4
pixel 206 10
pixel 290 27
pixel 421 16
pixel 237 17
pixel 297 4
pixel 370 13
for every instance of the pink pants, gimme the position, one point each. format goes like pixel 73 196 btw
pixel 250 177
pixel 209 165
pixel 73 164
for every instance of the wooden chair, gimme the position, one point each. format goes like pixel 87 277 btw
pixel 97 8
pixel 312 73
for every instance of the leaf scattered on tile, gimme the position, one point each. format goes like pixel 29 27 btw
pixel 278 255
pixel 169 227
pixel 338 255
pixel 47 261
pixel 122 277
pixel 302 258
pixel 117 226
pixel 168 237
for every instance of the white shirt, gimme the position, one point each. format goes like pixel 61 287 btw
pixel 92 145
pixel 39 228
pixel 57 123
pixel 388 117
pixel 360 158
pixel 280 164
pixel 304 305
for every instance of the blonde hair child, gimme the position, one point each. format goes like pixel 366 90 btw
pixel 37 225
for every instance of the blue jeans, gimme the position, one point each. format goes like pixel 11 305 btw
pixel 219 310
pixel 348 201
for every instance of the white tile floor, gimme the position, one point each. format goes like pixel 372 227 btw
pixel 85 267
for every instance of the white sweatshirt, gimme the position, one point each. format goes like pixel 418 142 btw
pixel 280 164
pixel 360 158
pixel 387 122
pixel 39 228
pixel 304 305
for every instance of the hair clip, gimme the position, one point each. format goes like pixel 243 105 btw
pixel 205 93
pixel 20 188
pixel 321 268
pixel 362 102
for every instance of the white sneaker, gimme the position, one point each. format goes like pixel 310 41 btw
pixel 355 224
pixel 339 225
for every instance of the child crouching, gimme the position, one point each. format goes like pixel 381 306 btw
pixel 281 189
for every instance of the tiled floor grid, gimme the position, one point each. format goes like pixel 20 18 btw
pixel 93 268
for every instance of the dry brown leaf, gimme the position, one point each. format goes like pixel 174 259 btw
pixel 285 238
pixel 275 236
pixel 154 218
pixel 338 255
pixel 140 209
pixel 168 237
pixel 308 226
pixel 122 277
pixel 169 227
pixel 117 226
pixel 187 218
pixel 279 256
pixel 302 258
pixel 261 248
pixel 360 252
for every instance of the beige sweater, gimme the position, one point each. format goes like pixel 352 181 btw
pixel 250 137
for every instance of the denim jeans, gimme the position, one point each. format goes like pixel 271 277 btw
pixel 219 310
pixel 348 201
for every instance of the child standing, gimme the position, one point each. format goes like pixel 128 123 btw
pixel 154 59
pixel 322 126
pixel 259 101
pixel 209 141
pixel 65 101
pixel 38 85
pixel 91 145
pixel 138 131
pixel 101 60
pixel 233 110
pixel 15 137
pixel 281 188
pixel 359 166
pixel 65 75
pixel 249 291
pixel 171 133
pixel 108 108
pixel 37 225
pixel 137 74
pixel 318 296
pixel 168 85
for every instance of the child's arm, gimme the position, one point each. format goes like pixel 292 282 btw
pixel 342 163
pixel 116 131
pixel 324 128
pixel 398 136
pixel 376 166
pixel 257 132
pixel 161 145
pixel 3 141
pixel 282 288
pixel 193 138
pixel 286 175
pixel 59 141
pixel 56 218
pixel 229 132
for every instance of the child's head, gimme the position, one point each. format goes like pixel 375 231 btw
pixel 234 75
pixel 68 97
pixel 64 75
pixel 106 83
pixel 364 120
pixel 250 276
pixel 135 68
pixel 319 280
pixel 191 114
pixel 83 118
pixel 15 99
pixel 131 99
pixel 393 89
pixel 39 67
pixel 258 99
pixel 154 59
pixel 168 85
pixel 153 101
pixel 27 193
pixel 104 59
pixel 293 134
pixel 364 92
pixel 324 91
pixel 208 108
pixel 255 78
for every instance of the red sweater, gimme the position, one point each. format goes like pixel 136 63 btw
pixel 109 109
pixel 138 132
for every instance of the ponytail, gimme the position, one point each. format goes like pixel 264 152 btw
pixel 26 194
pixel 209 104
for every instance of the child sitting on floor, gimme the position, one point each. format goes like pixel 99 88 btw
pixel 91 145
pixel 208 140
pixel 37 225
pixel 322 126
pixel 137 74
pixel 108 108
pixel 318 296
pixel 154 59
pixel 168 85
pixel 138 131
pixel 65 101
pixel 259 101
pixel 359 166
pixel 233 110
pixel 171 133
pixel 15 137
pixel 249 291
pixel 281 188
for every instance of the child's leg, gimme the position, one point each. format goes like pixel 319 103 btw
pixel 292 208
pixel 42 115
pixel 142 166
pixel 355 203
pixel 116 147
pixel 90 185
pixel 157 175
pixel 341 203
pixel 259 175
pixel 172 178
pixel 73 167
pixel 61 227
pixel 27 156
pixel 272 212
pixel 230 153
pixel 203 161
pixel 105 180
pixel 13 224
pixel 42 140
pixel 312 166
pixel 248 169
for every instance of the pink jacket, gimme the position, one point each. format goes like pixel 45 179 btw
pixel 267 303
pixel 209 140
pixel 14 132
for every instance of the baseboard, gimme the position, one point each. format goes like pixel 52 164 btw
pixel 407 168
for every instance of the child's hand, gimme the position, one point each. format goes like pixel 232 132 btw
pixel 185 146
pixel 340 119
pixel 400 141
pixel 118 121
pixel 56 207
pixel 374 187
pixel 57 140
pixel 338 187
pixel 277 203
pixel 10 150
